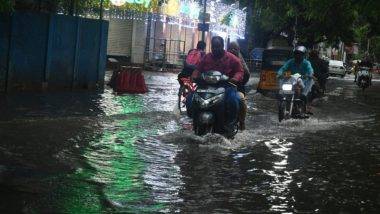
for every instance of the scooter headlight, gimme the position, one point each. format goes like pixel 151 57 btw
pixel 206 103
pixel 206 118
pixel 287 87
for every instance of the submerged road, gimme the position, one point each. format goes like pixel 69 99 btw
pixel 93 153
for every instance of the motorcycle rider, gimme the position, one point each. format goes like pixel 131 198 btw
pixel 321 69
pixel 229 65
pixel 300 65
pixel 193 57
pixel 234 48
pixel 366 62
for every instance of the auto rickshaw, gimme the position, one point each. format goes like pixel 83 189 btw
pixel 272 61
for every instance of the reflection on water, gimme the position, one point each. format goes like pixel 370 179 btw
pixel 101 153
pixel 281 177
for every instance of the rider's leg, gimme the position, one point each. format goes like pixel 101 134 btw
pixel 305 91
pixel 242 110
pixel 189 102
pixel 232 108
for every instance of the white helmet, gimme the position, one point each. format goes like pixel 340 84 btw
pixel 301 49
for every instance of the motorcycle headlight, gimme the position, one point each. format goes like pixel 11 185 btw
pixel 206 103
pixel 287 87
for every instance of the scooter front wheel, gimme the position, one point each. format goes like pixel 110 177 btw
pixel 201 130
pixel 281 111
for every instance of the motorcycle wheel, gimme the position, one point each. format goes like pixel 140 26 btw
pixel 281 111
pixel 362 83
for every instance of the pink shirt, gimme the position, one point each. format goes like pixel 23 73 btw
pixel 229 65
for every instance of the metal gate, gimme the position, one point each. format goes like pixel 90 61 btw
pixel 164 54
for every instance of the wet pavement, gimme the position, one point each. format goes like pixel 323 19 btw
pixel 94 153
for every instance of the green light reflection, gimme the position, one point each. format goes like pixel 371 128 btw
pixel 113 181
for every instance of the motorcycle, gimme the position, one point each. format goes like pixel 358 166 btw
pixel 207 101
pixel 319 88
pixel 364 78
pixel 291 104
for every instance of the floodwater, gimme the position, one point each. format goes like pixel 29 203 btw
pixel 101 153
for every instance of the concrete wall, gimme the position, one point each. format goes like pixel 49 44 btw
pixel 120 37
pixel 128 37
pixel 138 41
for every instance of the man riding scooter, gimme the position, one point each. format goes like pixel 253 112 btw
pixel 229 65
pixel 321 72
pixel 302 66
pixel 365 63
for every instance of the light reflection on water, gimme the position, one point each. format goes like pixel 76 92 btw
pixel 281 178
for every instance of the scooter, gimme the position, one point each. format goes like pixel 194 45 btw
pixel 291 103
pixel 364 78
pixel 207 101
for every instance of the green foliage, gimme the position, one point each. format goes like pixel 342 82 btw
pixel 313 20
pixel 375 48
pixel 6 6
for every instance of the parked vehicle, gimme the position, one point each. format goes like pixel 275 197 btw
pixel 257 57
pixel 207 103
pixel 336 68
pixel 364 78
pixel 290 102
pixel 272 60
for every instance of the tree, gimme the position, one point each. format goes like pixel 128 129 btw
pixel 6 5
pixel 314 21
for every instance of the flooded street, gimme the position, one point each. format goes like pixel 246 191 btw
pixel 93 153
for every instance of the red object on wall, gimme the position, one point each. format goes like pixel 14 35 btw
pixel 131 80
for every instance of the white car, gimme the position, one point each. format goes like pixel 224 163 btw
pixel 336 68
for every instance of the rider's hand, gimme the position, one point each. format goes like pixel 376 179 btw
pixel 196 80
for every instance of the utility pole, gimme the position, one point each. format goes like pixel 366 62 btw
pixel 204 20
pixel 101 10
pixel 71 9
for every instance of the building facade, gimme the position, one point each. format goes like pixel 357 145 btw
pixel 170 30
